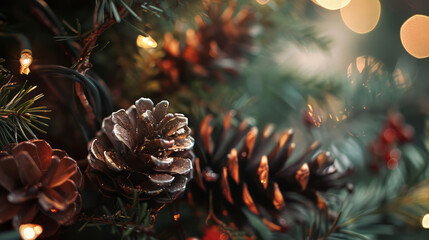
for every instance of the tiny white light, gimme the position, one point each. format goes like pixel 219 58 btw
pixel 25 60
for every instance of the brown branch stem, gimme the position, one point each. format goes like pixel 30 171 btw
pixel 84 64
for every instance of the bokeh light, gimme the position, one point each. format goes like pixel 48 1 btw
pixel 30 231
pixel 146 42
pixel 425 221
pixel 361 16
pixel 332 4
pixel 262 2
pixel 366 65
pixel 415 36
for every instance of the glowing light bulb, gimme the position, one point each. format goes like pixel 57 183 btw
pixel 332 4
pixel 146 42
pixel 361 16
pixel 25 61
pixel 415 36
pixel 30 231
pixel 262 2
pixel 425 221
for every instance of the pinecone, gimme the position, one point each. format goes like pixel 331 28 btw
pixel 172 66
pixel 143 149
pixel 244 171
pixel 38 185
pixel 216 47
pixel 221 43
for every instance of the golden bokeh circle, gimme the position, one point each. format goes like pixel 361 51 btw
pixel 415 36
pixel 361 16
pixel 262 2
pixel 425 221
pixel 332 4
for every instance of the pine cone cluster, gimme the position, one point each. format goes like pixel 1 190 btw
pixel 38 185
pixel 244 170
pixel 216 47
pixel 142 149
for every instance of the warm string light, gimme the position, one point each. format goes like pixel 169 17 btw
pixel 146 42
pixel 30 231
pixel 425 221
pixel 361 16
pixel 25 60
pixel 415 36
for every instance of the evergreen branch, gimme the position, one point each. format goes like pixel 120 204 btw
pixel 139 228
pixel 129 220
pixel 130 10
pixel 370 215
pixel 18 116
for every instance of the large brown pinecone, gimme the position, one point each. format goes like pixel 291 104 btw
pixel 218 46
pixel 142 149
pixel 243 170
pixel 38 185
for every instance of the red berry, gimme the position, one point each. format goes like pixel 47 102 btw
pixel 406 134
pixel 395 121
pixel 389 135
pixel 379 148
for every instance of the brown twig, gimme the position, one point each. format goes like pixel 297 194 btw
pixel 84 64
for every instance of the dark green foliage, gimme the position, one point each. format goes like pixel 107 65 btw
pixel 18 117
pixel 130 220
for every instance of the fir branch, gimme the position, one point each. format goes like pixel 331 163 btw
pixel 129 220
pixel 18 117
pixel 139 228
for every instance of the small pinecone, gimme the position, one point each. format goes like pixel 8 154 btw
pixel 38 185
pixel 172 66
pixel 142 149
pixel 221 43
pixel 216 47
pixel 244 171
